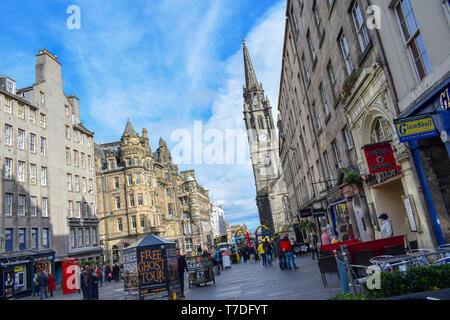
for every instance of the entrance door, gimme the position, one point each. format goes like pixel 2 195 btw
pixel 388 199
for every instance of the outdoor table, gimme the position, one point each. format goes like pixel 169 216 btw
pixel 385 261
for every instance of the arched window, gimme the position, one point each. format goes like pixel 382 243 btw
pixel 381 131
pixel 261 123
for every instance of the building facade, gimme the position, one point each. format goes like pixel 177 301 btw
pixel 218 224
pixel 142 192
pixel 335 104
pixel 36 224
pixel 271 193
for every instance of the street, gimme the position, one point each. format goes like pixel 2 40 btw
pixel 245 281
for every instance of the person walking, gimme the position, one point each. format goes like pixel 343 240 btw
pixel 83 282
pixel 108 273
pixel 219 260
pixel 325 237
pixel 99 272
pixel 116 271
pixel 268 252
pixel 286 246
pixel 182 267
pixel 261 253
pixel 252 252
pixel 279 253
pixel 37 288
pixel 386 226
pixel 90 282
pixel 43 282
pixel 51 284
pixel 314 245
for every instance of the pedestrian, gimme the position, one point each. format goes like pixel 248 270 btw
pixel 116 271
pixel 95 285
pixel 386 226
pixel 51 284
pixel 37 288
pixel 314 243
pixel 83 282
pixel 268 251
pixel 286 246
pixel 182 267
pixel 252 252
pixel 325 237
pixel 99 272
pixel 279 253
pixel 43 282
pixel 108 273
pixel 219 260
pixel 261 253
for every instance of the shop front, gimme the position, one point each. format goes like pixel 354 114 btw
pixel 425 126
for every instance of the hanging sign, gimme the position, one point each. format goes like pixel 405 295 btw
pixel 381 161
pixel 305 213
pixel 416 128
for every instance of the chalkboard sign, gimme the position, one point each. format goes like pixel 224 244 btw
pixel 200 269
pixel 130 275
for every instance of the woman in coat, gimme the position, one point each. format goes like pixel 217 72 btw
pixel 51 284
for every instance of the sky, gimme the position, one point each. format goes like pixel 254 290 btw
pixel 169 66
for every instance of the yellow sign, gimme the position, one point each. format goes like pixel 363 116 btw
pixel 416 129
pixel 18 269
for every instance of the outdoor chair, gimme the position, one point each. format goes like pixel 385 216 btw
pixel 394 250
pixel 443 249
pixel 363 257
pixel 402 266
pixel 442 261
pixel 327 264
pixel 422 261
pixel 359 276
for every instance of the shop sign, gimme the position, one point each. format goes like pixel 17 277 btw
pixel 334 197
pixel 380 177
pixel 305 213
pixel 41 259
pixel 445 100
pixel 350 190
pixel 417 128
pixel 319 213
pixel 380 158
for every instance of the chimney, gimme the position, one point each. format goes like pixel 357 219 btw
pixel 145 133
pixel 75 102
pixel 48 69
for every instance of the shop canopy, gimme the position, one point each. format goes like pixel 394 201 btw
pixel 149 240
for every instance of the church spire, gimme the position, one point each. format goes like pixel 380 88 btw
pixel 250 75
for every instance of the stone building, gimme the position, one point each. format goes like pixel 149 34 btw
pixel 219 228
pixel 43 142
pixel 142 192
pixel 271 193
pixel 335 102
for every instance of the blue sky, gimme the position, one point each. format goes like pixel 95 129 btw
pixel 163 64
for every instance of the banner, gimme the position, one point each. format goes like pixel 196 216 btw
pixel 414 129
pixel 380 158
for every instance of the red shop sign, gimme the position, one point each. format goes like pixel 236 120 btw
pixel 380 158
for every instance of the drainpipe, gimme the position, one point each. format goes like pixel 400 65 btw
pixel 421 184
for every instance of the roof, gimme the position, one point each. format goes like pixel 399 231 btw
pixel 129 129
pixel 149 240
pixel 189 179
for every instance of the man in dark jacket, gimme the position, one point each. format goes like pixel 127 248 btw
pixel 279 253
pixel 182 267
pixel 43 281
pixel 286 246
pixel 83 282
pixel 116 271
pixel 108 271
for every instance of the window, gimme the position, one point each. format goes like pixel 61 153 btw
pixel 83 136
pixel 327 162
pixel 138 178
pixel 91 186
pixel 69 182
pixel 22 239
pixel 67 111
pixel 85 210
pixel 337 155
pixel 169 209
pixel 32 142
pixel 21 207
pixel 21 171
pixel 8 204
pixel 332 79
pixel 80 236
pixel 83 160
pixel 8 105
pixel 8 134
pixel 117 203
pixel 136 161
pixel 46 238
pixel 294 20
pixel 89 162
pixel 70 209
pixel 346 54
pixel 67 132
pixel 75 158
pixel 324 100
pixel 44 207
pixel 42 98
pixel 130 179
pixel 167 192
pixel 72 238
pixel 316 117
pixel 21 139
pixel 94 236
pixel 142 221
pixel 318 21
pixel 93 212
pixel 32 116
pixel 140 199
pixel 43 146
pixel 261 123
pixel 360 26
pixel 21 111
pixel 34 238
pixel 78 209
pixel 43 176
pixel 347 137
pixel 87 234
pixel 413 38
pixel 116 183
pixel 8 168
pixel 68 156
pixel 311 49
pixel 119 225
pixel 83 180
pixel 128 160
pixel 111 164
pixel 43 120
pixel 133 223
pixel 382 131
pixel 33 174
pixel 9 240
pixel 306 71
pixel 131 196
pixel 33 206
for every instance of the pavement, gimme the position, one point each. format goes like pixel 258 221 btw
pixel 244 281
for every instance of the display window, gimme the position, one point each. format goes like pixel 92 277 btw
pixel 20 278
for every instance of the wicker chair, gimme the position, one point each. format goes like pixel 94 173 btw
pixel 327 264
